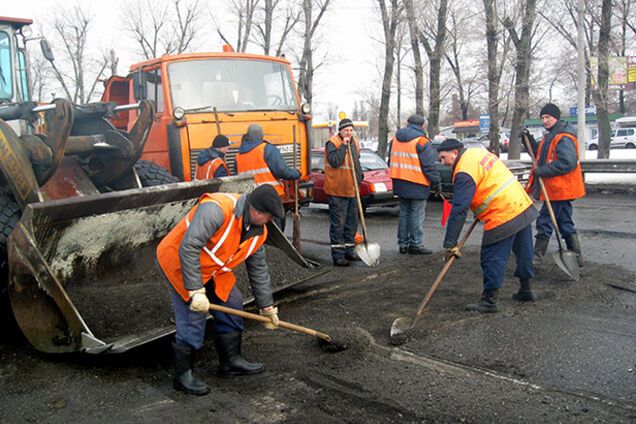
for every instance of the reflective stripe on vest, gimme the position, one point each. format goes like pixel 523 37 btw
pixel 253 163
pixel 405 162
pixel 208 169
pixel 498 196
pixel 338 181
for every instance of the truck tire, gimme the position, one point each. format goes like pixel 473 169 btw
pixel 152 174
pixel 9 216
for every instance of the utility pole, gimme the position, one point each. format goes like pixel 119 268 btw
pixel 580 110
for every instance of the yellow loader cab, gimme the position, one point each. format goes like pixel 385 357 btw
pixel 200 95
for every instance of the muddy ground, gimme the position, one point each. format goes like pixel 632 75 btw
pixel 569 357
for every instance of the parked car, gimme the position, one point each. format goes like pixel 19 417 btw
pixel 504 140
pixel 376 188
pixel 520 169
pixel 622 138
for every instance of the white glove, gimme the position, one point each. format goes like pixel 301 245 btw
pixel 199 301
pixel 271 313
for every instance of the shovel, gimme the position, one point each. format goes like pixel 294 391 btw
pixel 369 252
pixel 404 324
pixel 324 340
pixel 565 259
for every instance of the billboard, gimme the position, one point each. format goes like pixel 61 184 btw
pixel 622 72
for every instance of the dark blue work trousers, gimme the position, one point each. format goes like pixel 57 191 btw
pixel 343 223
pixel 563 213
pixel 191 325
pixel 494 258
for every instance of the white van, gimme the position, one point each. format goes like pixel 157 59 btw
pixel 622 138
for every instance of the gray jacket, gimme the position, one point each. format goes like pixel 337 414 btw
pixel 207 220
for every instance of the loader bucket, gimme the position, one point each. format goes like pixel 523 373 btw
pixel 83 276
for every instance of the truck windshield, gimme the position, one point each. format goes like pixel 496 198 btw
pixel 231 85
pixel 6 76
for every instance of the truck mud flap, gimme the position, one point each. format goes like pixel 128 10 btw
pixel 83 275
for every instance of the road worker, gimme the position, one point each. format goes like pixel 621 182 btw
pixel 558 165
pixel 197 257
pixel 211 162
pixel 339 186
pixel 412 167
pixel 483 184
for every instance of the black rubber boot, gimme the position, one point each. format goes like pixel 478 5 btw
pixel 487 304
pixel 524 294
pixel 540 247
pixel 573 244
pixel 184 380
pixel 231 363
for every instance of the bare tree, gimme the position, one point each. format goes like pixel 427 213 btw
pixel 266 28
pixel 418 69
pixel 40 76
pixel 160 27
pixel 400 54
pixel 600 94
pixel 307 67
pixel 433 41
pixel 523 47
pixel 390 23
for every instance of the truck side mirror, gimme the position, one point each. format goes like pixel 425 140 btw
pixel 140 91
pixel 46 50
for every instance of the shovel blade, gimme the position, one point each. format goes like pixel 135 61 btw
pixel 401 326
pixel 369 253
pixel 568 263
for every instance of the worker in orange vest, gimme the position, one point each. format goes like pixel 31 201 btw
pixel 343 207
pixel 412 167
pixel 483 184
pixel 211 162
pixel 198 257
pixel 559 166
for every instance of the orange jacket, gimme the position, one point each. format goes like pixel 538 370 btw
pixel 405 163
pixel 253 163
pixel 339 181
pixel 561 187
pixel 222 253
pixel 498 195
pixel 208 169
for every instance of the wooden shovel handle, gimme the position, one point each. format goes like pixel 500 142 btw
pixel 443 272
pixel 363 224
pixel 216 118
pixel 283 324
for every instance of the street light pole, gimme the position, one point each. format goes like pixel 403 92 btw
pixel 580 110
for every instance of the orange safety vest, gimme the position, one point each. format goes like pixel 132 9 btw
pixel 221 254
pixel 339 181
pixel 253 163
pixel 405 163
pixel 561 187
pixel 208 169
pixel 498 196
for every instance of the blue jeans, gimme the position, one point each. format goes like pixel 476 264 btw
pixel 563 213
pixel 343 223
pixel 494 258
pixel 191 325
pixel 410 227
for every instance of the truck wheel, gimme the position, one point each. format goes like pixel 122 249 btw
pixel 152 174
pixel 9 216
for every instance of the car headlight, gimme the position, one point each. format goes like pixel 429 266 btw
pixel 379 188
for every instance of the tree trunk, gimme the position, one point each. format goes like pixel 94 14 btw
pixel 493 75
pixel 417 58
pixel 600 94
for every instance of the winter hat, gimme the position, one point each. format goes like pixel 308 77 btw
pixel 344 124
pixel 264 198
pixel 552 110
pixel 416 119
pixel 220 141
pixel 449 144
pixel 254 132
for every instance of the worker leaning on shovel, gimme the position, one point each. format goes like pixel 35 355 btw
pixel 220 232
pixel 484 184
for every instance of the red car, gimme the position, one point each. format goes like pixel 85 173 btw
pixel 376 188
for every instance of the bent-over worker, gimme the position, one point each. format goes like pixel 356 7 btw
pixel 483 184
pixel 197 257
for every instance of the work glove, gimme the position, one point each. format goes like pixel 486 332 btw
pixel 533 142
pixel 438 189
pixel 450 252
pixel 271 313
pixel 199 301
pixel 541 171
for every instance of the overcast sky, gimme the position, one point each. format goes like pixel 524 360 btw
pixel 348 30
